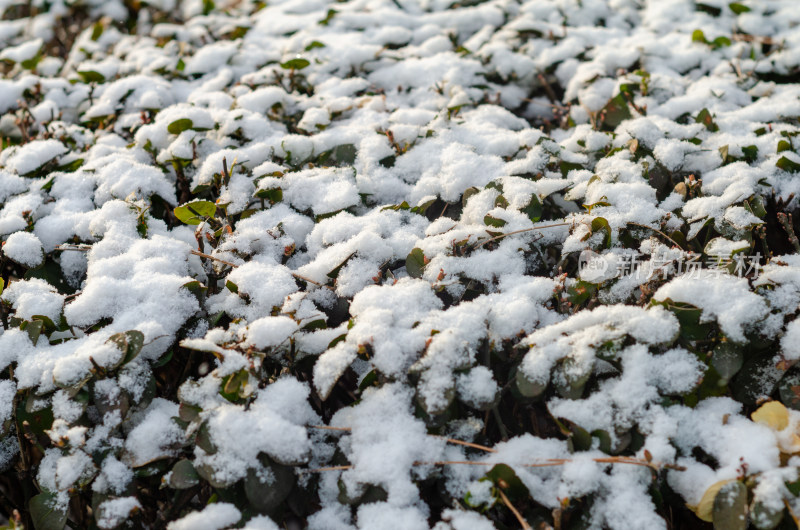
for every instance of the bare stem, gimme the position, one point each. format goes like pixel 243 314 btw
pixel 448 440
pixel 233 265
pixel 522 521
pixel 656 231
pixel 479 244
pixel 786 222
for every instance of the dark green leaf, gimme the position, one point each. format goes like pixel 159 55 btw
pixel 183 475
pixel 727 359
pixel 534 209
pixel 704 117
pixel 178 126
pixel 503 477
pixel 616 111
pixel 333 274
pixel 90 76
pixel 45 513
pixel 415 263
pixel 314 44
pixel 787 164
pixel 730 507
pixel 267 491
pixel 738 8
pixel 298 63
pixel 493 221
pixel 600 223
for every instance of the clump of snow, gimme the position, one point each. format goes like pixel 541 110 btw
pixel 24 248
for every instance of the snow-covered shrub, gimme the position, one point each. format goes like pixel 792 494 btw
pixel 399 264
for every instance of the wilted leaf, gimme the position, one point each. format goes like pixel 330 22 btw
pixel 773 414
pixel 415 263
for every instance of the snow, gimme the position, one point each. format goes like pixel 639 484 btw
pixel 24 248
pixel 314 309
pixel 214 517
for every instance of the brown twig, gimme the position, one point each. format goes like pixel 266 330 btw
pixel 234 265
pixel 448 440
pixel 656 231
pixel 479 244
pixel 553 462
pixel 522 521
pixel 785 219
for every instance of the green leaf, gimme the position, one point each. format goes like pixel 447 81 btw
pixel 90 76
pixel 493 221
pixel 720 42
pixel 2 285
pixel 45 513
pixel 97 30
pixel 699 36
pixel 616 111
pixel 314 44
pixel 267 491
pixel 711 10
pixel 195 212
pixel 178 126
pixel 750 153
pixel 336 270
pixel 368 380
pixel 298 63
pixel 738 8
pixel 730 507
pixel 130 343
pixel 208 7
pixel 33 328
pixel 345 153
pixel 180 66
pixel 273 195
pixel 503 477
pixel 534 209
pixel 600 223
pixel 784 145
pixel 766 517
pixel 328 17
pixel 704 117
pixel 787 164
pixel 727 359
pixel 528 388
pixel 415 263
pixel 789 388
pixel 183 475
pixel 232 287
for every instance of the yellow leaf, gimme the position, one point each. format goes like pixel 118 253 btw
pixel 705 509
pixel 773 414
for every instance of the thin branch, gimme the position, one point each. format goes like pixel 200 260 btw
pixel 234 265
pixel 785 219
pixel 553 462
pixel 522 521
pixel 448 440
pixel 82 248
pixel 656 231
pixel 481 243
pixel 214 258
